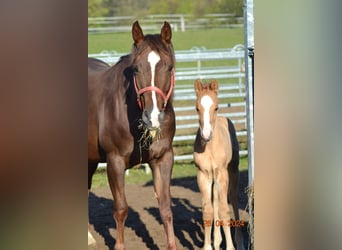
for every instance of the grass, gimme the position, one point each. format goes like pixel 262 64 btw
pixel 210 38
pixel 138 176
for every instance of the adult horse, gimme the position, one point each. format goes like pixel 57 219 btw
pixel 131 121
pixel 216 155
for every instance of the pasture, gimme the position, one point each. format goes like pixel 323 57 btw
pixel 211 39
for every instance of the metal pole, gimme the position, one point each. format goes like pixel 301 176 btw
pixel 249 69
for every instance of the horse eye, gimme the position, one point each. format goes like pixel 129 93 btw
pixel 197 109
pixel 135 69
pixel 170 68
pixel 216 108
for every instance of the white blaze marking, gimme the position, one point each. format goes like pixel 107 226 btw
pixel 206 102
pixel 153 58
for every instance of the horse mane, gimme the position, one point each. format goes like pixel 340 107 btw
pixel 156 43
pixel 118 74
pixel 205 87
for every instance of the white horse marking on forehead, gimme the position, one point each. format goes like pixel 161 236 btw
pixel 153 58
pixel 206 103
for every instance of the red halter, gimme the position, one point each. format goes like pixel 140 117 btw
pixel 158 90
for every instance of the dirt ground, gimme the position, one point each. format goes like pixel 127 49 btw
pixel 144 229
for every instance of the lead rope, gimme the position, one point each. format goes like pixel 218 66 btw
pixel 140 162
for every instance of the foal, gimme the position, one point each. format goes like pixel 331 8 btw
pixel 216 155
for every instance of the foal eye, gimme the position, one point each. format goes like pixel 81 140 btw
pixel 216 108
pixel 197 109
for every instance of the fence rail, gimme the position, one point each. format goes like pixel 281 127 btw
pixel 179 22
pixel 231 95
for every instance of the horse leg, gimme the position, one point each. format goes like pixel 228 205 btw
pixel 162 170
pixel 92 166
pixel 91 170
pixel 205 186
pixel 224 211
pixel 233 197
pixel 233 170
pixel 217 221
pixel 116 178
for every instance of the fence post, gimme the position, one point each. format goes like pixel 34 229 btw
pixel 182 23
pixel 249 72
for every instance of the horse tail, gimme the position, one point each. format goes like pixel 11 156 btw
pixel 235 145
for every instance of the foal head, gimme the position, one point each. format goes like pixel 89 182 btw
pixel 206 106
pixel 153 64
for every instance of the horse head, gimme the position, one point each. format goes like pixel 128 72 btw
pixel 153 63
pixel 206 106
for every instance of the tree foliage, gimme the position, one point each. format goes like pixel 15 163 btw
pixel 196 8
pixel 97 8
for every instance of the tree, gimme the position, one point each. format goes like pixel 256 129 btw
pixel 97 8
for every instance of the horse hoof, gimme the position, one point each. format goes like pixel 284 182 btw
pixel 119 247
pixel 207 247
pixel 91 240
pixel 173 247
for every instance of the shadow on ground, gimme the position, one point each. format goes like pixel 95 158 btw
pixel 143 224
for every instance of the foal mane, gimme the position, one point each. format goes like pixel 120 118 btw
pixel 205 90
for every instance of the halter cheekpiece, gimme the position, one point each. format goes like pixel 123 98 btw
pixel 158 90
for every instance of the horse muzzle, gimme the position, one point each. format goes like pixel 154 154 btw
pixel 152 118
pixel 206 134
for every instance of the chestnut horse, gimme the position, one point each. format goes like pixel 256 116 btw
pixel 216 155
pixel 131 121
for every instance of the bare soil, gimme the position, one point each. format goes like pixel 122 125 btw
pixel 144 229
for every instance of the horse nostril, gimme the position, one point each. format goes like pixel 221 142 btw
pixel 145 117
pixel 161 115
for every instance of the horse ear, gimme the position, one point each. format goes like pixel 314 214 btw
pixel 214 85
pixel 198 86
pixel 137 33
pixel 166 33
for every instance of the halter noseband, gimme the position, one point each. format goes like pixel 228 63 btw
pixel 158 90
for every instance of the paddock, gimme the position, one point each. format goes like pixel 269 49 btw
pixel 144 229
pixel 143 226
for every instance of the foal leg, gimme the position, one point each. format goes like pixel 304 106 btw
pixel 162 170
pixel 91 170
pixel 222 183
pixel 116 178
pixel 233 170
pixel 217 221
pixel 205 186
pixel 233 197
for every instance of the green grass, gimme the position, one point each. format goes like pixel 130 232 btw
pixel 138 176
pixel 210 38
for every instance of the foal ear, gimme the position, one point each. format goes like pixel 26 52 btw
pixel 166 32
pixel 214 86
pixel 198 86
pixel 137 33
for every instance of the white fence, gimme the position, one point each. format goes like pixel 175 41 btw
pixel 191 65
pixel 179 22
